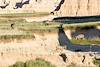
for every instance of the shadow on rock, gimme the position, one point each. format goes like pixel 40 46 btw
pixel 77 19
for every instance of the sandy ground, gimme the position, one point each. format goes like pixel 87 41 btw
pixel 30 49
pixel 40 19
pixel 45 46
pixel 34 19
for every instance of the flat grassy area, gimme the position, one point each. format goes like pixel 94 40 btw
pixel 16 15
pixel 21 24
pixel 85 42
pixel 81 25
pixel 23 29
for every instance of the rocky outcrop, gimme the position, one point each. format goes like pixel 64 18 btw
pixel 59 7
pixel 79 8
pixel 27 6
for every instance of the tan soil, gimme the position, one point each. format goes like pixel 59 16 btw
pixel 45 46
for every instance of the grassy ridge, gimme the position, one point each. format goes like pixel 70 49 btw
pixel 23 29
pixel 15 15
pixel 84 42
pixel 80 25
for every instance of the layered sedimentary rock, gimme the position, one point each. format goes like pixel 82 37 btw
pixel 59 7
pixel 27 6
pixel 78 8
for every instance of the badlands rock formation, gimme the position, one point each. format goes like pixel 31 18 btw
pixel 45 46
pixel 79 8
pixel 27 6
pixel 59 7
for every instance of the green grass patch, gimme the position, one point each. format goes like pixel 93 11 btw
pixel 96 62
pixel 21 27
pixel 84 42
pixel 35 63
pixel 20 24
pixel 11 37
pixel 17 15
pixel 75 26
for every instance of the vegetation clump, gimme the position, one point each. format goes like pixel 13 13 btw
pixel 96 62
pixel 31 63
pixel 84 41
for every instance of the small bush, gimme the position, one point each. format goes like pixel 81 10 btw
pixel 18 64
pixel 96 62
pixel 31 63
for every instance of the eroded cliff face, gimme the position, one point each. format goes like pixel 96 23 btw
pixel 27 6
pixel 59 7
pixel 79 8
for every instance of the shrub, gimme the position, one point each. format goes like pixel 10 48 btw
pixel 18 64
pixel 38 63
pixel 31 63
pixel 96 62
